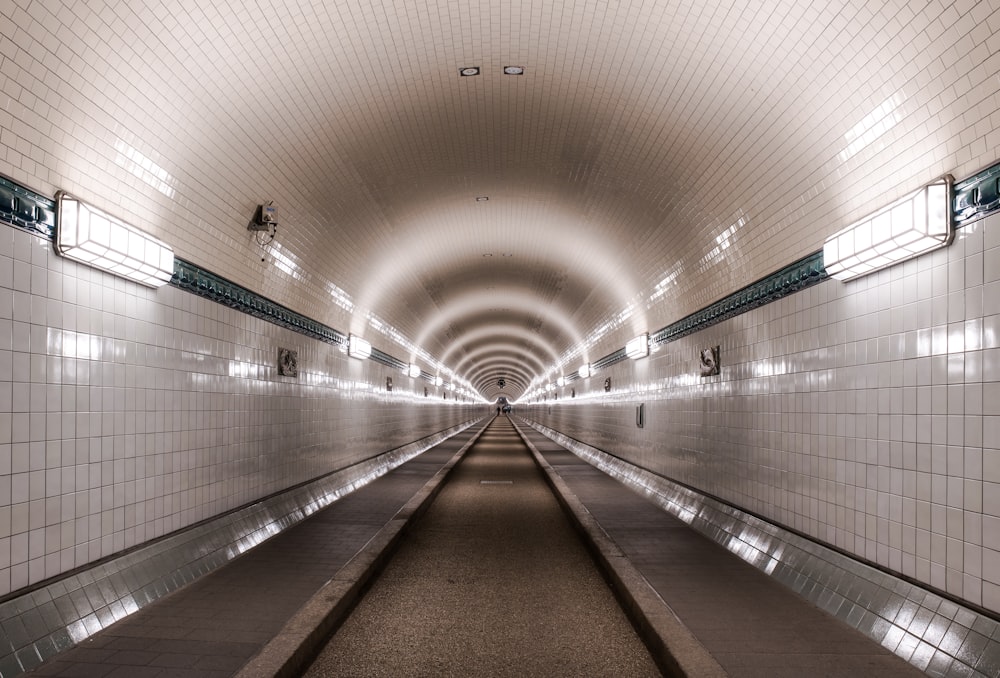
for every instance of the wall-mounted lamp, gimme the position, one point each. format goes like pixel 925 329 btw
pixel 414 370
pixel 438 381
pixel 638 347
pixel 90 236
pixel 911 226
pixel 561 381
pixel 584 370
pixel 358 347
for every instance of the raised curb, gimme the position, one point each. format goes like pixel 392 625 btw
pixel 291 651
pixel 676 651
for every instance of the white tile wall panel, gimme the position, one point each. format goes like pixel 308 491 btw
pixel 129 413
pixel 862 415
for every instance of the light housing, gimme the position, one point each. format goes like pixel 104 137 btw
pixel 358 347
pixel 93 237
pixel 584 370
pixel 913 225
pixel 638 347
pixel 560 382
pixel 413 370
pixel 438 381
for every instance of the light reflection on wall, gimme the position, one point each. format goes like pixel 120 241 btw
pixel 340 297
pixel 669 280
pixel 722 243
pixel 884 117
pixel 285 262
pixel 141 166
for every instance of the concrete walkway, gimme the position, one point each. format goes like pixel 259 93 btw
pixel 750 624
pixel 491 581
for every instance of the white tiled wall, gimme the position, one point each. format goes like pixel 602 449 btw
pixel 865 415
pixel 127 413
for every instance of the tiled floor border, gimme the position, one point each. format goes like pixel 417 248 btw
pixel 936 635
pixel 60 614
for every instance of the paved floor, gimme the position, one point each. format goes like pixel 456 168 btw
pixel 212 627
pixel 752 625
pixel 492 581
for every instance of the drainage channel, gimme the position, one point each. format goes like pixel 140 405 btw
pixel 493 581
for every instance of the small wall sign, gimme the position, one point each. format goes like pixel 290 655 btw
pixel 710 361
pixel 288 362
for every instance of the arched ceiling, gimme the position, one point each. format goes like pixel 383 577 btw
pixel 654 155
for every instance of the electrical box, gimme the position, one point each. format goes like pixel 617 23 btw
pixel 265 217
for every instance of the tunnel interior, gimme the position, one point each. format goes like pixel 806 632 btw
pixel 385 221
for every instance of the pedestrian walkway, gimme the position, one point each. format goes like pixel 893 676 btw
pixel 492 581
pixel 749 623
pixel 211 628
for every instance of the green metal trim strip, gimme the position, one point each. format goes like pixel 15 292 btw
pixel 27 210
pixel 608 360
pixel 194 279
pixel 976 197
pixel 388 360
pixel 792 278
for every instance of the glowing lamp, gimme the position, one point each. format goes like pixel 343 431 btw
pixel 358 348
pixel 638 347
pixel 93 237
pixel 911 226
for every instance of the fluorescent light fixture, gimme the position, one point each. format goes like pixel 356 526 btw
pixel 88 235
pixel 638 347
pixel 358 347
pixel 414 370
pixel 584 370
pixel 911 226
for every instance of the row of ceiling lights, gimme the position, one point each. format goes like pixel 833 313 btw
pixel 635 349
pixel 469 71
pixel 362 350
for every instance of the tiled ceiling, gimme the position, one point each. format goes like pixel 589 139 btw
pixel 649 145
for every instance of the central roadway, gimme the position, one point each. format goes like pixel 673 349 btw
pixel 491 581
